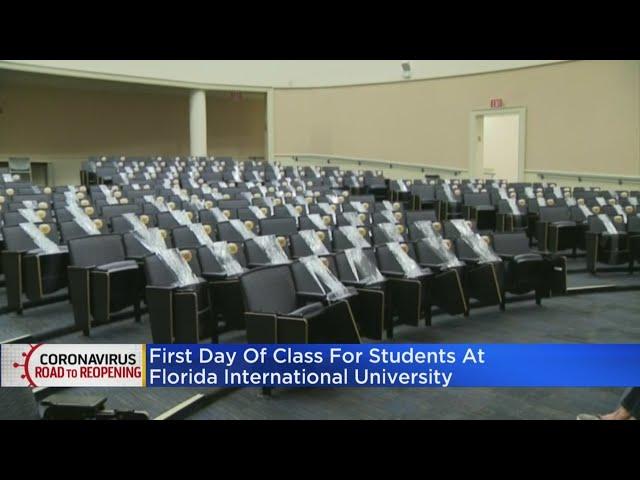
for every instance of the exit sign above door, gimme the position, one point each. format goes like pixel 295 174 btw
pixel 496 103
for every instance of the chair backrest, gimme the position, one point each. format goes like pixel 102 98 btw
pixel 343 267
pixel 18 403
pixel 269 290
pixel 16 239
pixel 183 238
pixel 158 274
pixel 109 211
pixel 278 226
pixel 419 215
pixel 227 233
pixel 554 214
pixel 477 199
pixel 96 250
pixel 511 243
pixel 71 230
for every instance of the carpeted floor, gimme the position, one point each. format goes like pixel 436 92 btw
pixel 594 318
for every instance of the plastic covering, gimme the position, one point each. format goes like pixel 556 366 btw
pixel 40 239
pixel 448 192
pixel 313 242
pixel 257 212
pixel 557 192
pixel 571 202
pixel 620 211
pixel 326 280
pixel 218 215
pixel 608 224
pixel 354 237
pixel 359 207
pixel 514 206
pixel 503 193
pixel 388 214
pixel 332 198
pixel 32 204
pixel 111 200
pixel 70 198
pixel 363 269
pixel 601 201
pixel 178 265
pixel 391 232
pixel 528 191
pixel 124 177
pixel 82 219
pixel 402 186
pixel 240 227
pixel 436 242
pixel 180 216
pixel 475 241
pixel 272 249
pixel 585 211
pixel 29 215
pixel 633 201
pixel 326 208
pixel 199 204
pixel 292 210
pixel 352 218
pixel 316 219
pixel 200 233
pixel 387 205
pixel 408 265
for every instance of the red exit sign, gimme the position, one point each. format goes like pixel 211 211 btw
pixel 496 103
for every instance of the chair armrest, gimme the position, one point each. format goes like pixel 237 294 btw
pixel 318 297
pixel 213 276
pixel 390 274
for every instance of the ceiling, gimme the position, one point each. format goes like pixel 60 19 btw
pixel 262 74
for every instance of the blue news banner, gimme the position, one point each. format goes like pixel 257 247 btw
pixel 396 365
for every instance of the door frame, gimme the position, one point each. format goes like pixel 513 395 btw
pixel 474 118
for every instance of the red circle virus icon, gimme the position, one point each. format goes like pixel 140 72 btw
pixel 25 365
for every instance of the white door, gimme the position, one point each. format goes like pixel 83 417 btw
pixel 500 146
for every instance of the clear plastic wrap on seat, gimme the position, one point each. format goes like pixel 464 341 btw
pixel 391 232
pixel 31 204
pixel 528 191
pixel 29 215
pixel 313 242
pixel 316 219
pixel 40 239
pixel 585 211
pixel 292 210
pixel 333 288
pixel 462 226
pixel 353 235
pixel 409 266
pixel 608 224
pixel 620 211
pixel 437 244
pixel 514 206
pixel 402 185
pixel 180 216
pixel 257 212
pixel 359 207
pixel 198 230
pixel 363 269
pixel 272 249
pixel 447 191
pixel 161 206
pixel 230 265
pixel 388 214
pixel 82 219
pixel 352 218
pixel 218 215
pixel 388 206
pixel 240 227
pixel 178 265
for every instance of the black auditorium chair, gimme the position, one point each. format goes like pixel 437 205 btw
pixel 358 268
pixel 477 207
pixel 276 313
pixel 408 292
pixel 526 270
pixel 179 311
pixel 555 231
pixel 102 281
pixel 607 241
pixel 30 270
pixel 21 404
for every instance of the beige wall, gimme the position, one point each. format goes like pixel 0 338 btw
pixel 64 126
pixel 236 128
pixel 580 116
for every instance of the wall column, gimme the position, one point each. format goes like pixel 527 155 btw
pixel 198 123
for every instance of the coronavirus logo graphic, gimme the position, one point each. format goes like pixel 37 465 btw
pixel 25 366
